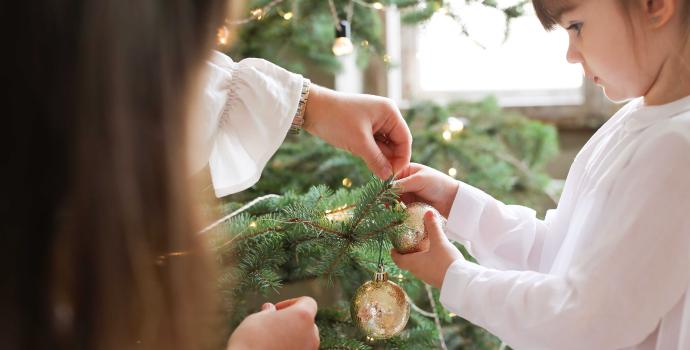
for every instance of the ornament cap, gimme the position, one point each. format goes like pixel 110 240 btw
pixel 381 275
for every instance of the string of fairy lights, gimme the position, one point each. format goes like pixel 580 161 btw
pixel 342 44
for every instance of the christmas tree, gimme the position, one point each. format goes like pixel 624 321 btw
pixel 334 237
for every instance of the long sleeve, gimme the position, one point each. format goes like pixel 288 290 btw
pixel 511 236
pixel 629 267
pixel 245 113
pixel 498 235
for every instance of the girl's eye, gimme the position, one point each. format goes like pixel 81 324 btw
pixel 577 27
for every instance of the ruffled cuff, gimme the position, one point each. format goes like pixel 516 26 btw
pixel 254 102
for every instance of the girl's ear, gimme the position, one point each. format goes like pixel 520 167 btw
pixel 659 12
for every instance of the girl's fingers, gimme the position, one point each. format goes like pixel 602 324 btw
pixel 406 261
pixel 408 198
pixel 408 170
pixel 433 228
pixel 410 184
pixel 398 259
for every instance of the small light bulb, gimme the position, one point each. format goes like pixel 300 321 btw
pixel 222 35
pixel 365 43
pixel 252 224
pixel 347 182
pixel 342 46
pixel 451 314
pixel 257 13
pixel 287 16
pixel 447 135
pixel 377 5
pixel 452 172
pixel 455 124
pixel 386 58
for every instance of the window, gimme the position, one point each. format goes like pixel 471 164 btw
pixel 529 69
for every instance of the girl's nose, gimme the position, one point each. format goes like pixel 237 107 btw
pixel 573 55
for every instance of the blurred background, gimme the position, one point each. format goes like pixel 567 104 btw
pixel 440 51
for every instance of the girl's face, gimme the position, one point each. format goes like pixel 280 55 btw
pixel 610 47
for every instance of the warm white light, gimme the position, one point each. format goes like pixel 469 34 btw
pixel 452 172
pixel 222 35
pixel 377 5
pixel 455 124
pixel 257 13
pixel 347 182
pixel 342 46
pixel 287 16
pixel 447 135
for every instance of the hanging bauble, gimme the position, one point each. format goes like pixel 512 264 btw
pixel 380 308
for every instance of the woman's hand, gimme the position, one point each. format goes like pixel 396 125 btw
pixel 419 183
pixel 286 325
pixel 367 126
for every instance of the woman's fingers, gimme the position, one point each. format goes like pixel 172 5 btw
pixel 285 303
pixel 268 307
pixel 372 155
pixel 303 305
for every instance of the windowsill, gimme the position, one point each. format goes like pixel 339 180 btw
pixel 544 98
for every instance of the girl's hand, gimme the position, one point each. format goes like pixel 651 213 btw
pixel 370 127
pixel 287 325
pixel 430 265
pixel 419 183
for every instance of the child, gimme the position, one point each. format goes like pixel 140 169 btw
pixel 610 267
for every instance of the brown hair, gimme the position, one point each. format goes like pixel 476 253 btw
pixel 96 184
pixel 549 11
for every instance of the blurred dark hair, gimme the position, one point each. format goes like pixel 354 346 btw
pixel 96 178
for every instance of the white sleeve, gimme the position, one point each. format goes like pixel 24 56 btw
pixel 497 235
pixel 620 283
pixel 246 112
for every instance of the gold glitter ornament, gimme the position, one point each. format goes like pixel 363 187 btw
pixel 380 308
pixel 410 239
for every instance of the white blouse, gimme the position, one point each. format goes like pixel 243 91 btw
pixel 242 118
pixel 610 267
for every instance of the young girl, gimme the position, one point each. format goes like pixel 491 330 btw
pixel 610 267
